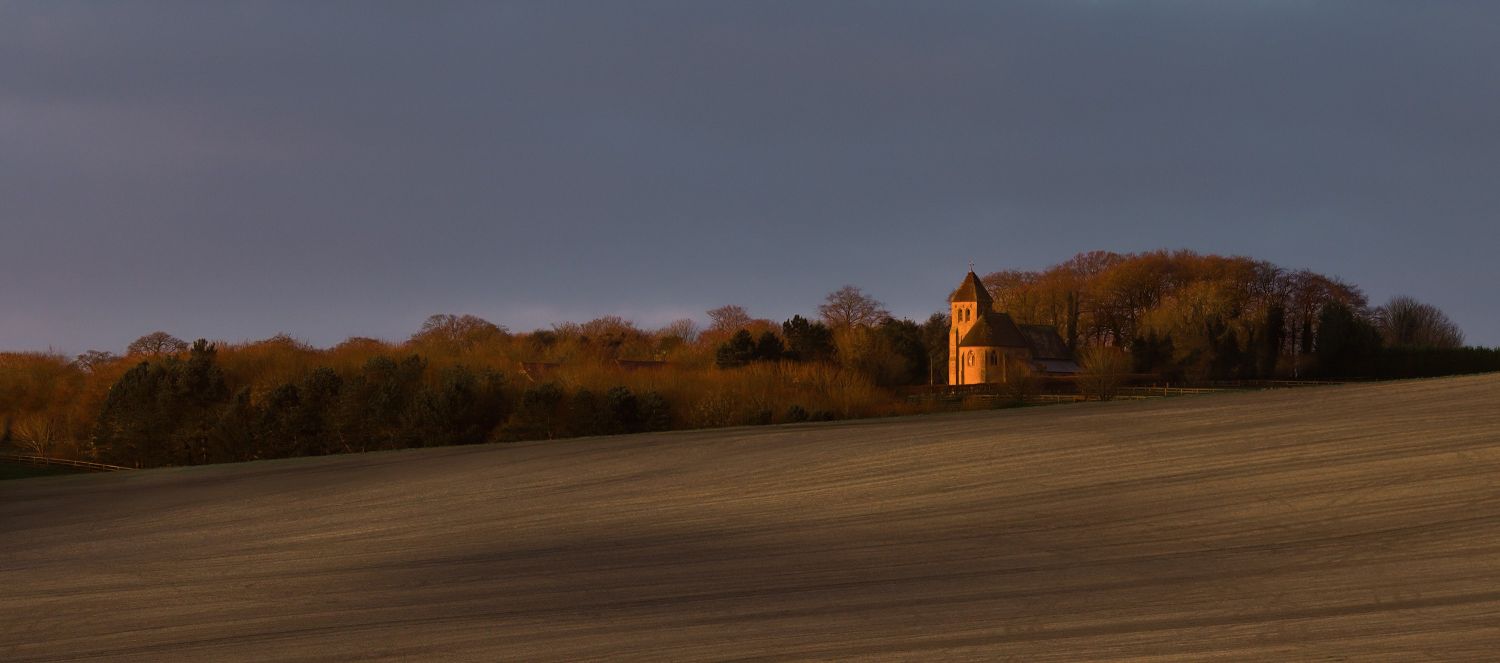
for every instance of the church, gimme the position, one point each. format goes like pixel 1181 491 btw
pixel 987 346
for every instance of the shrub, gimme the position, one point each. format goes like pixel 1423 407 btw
pixel 656 412
pixel 1103 371
pixel 1020 380
pixel 541 414
pixel 622 411
pixel 796 414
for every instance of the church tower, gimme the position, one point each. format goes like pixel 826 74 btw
pixel 969 304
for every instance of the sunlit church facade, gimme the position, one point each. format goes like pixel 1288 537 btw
pixel 987 346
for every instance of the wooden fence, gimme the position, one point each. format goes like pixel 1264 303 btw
pixel 1171 391
pixel 30 459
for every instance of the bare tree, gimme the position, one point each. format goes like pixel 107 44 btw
pixel 1406 322
pixel 458 331
pixel 729 318
pixel 362 344
pixel 156 344
pixel 850 307
pixel 93 359
pixel 1102 370
pixel 287 341
pixel 1021 380
pixel 685 330
pixel 38 433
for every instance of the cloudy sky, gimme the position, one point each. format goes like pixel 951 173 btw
pixel 234 170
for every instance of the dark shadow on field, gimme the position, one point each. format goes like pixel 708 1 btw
pixel 1257 526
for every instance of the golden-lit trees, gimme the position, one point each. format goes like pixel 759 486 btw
pixel 1224 317
pixel 461 379
pixel 866 351
pixel 269 362
pixel 613 337
pixel 1018 293
pixel 456 381
pixel 1053 297
pixel 34 381
pixel 43 398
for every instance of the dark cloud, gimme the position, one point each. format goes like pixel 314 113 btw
pixel 326 169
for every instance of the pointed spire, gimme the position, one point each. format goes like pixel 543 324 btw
pixel 972 290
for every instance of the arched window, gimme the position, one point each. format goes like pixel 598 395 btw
pixel 994 359
pixel 970 358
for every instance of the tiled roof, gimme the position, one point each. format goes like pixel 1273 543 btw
pixel 1045 342
pixel 995 330
pixel 972 290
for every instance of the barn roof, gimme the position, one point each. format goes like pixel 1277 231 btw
pixel 972 290
pixel 995 330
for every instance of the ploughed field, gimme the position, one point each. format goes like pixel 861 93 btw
pixel 1356 522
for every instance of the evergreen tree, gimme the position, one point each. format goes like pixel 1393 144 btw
pixel 769 347
pixel 904 339
pixel 1346 345
pixel 374 403
pixel 737 351
pixel 935 338
pixel 1272 337
pixel 235 433
pixel 163 412
pixel 807 340
pixel 278 435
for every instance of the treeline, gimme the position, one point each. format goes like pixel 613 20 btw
pixel 459 380
pixel 182 411
pixel 1193 317
pixel 889 352
pixel 462 380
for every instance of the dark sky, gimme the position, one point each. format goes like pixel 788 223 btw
pixel 234 170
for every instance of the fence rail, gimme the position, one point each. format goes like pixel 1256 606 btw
pixel 30 459
pixel 1171 391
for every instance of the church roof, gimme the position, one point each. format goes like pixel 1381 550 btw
pixel 1045 342
pixel 995 330
pixel 972 290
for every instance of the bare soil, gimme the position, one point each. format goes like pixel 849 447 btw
pixel 1358 522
